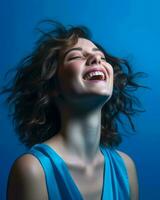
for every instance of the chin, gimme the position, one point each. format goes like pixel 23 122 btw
pixel 99 98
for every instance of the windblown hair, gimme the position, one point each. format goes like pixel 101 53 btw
pixel 34 112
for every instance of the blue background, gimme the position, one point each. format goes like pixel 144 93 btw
pixel 127 28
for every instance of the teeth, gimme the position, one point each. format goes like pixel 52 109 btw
pixel 95 73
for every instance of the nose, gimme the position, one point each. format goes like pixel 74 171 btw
pixel 94 59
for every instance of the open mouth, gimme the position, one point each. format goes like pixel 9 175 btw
pixel 95 75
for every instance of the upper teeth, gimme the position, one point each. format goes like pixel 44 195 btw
pixel 91 74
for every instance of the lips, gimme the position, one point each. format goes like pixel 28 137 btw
pixel 95 73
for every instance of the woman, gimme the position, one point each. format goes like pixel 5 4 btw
pixel 67 97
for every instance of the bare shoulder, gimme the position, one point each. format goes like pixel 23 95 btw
pixel 26 179
pixel 132 174
pixel 27 163
pixel 127 159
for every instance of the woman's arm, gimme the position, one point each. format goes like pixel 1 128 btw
pixel 26 180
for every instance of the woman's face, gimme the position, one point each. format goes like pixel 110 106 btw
pixel 84 72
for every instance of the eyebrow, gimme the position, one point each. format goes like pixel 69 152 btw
pixel 79 49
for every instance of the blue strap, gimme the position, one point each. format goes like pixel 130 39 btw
pixel 51 184
pixel 68 189
pixel 116 177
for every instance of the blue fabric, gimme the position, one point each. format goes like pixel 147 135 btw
pixel 61 186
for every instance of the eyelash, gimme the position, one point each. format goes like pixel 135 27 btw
pixel 74 57
pixel 103 58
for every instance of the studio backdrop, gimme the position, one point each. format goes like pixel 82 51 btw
pixel 128 29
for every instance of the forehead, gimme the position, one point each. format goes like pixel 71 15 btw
pixel 82 42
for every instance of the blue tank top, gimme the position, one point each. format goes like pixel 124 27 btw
pixel 61 186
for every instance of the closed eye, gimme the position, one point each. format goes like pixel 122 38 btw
pixel 103 58
pixel 75 57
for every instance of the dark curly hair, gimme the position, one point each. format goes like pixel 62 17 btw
pixel 35 115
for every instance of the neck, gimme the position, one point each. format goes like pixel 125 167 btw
pixel 80 134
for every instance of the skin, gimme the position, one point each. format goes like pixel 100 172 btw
pixel 80 103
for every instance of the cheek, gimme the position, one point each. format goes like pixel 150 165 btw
pixel 68 76
pixel 70 70
pixel 110 68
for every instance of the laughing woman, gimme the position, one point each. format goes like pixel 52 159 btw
pixel 67 98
